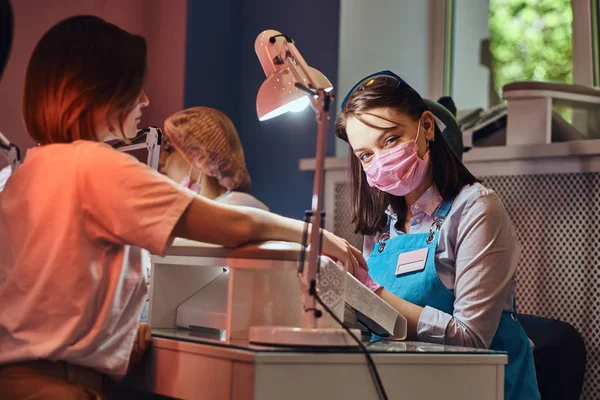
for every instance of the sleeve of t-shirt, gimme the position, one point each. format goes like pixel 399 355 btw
pixel 126 202
pixel 242 199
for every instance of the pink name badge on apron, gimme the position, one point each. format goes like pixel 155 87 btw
pixel 411 261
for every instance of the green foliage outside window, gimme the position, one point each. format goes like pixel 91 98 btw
pixel 531 40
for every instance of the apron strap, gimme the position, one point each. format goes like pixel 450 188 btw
pixel 444 208
pixel 440 215
pixel 438 219
pixel 387 234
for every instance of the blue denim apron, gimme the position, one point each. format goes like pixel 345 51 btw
pixel 424 288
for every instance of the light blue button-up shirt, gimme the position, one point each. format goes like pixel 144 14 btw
pixel 476 258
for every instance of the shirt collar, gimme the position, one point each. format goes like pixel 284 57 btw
pixel 427 203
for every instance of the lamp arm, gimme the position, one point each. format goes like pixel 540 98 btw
pixel 11 152
pixel 14 157
pixel 292 57
pixel 153 143
pixel 4 141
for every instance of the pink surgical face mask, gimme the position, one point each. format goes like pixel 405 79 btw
pixel 187 182
pixel 400 170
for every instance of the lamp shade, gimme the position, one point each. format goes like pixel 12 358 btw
pixel 278 94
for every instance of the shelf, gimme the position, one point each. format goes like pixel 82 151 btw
pixel 575 156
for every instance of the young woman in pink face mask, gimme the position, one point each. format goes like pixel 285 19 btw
pixel 441 248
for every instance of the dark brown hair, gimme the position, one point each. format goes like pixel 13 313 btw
pixel 83 70
pixel 369 204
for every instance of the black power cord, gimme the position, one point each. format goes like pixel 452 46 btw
pixel 307 217
pixel 372 368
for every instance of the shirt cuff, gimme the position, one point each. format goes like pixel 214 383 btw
pixel 371 284
pixel 432 325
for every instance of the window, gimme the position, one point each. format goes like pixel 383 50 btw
pixel 531 40
pixel 501 41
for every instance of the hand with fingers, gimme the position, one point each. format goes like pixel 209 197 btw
pixel 340 250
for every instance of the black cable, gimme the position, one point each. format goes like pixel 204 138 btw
pixel 372 368
pixel 322 223
pixel 307 217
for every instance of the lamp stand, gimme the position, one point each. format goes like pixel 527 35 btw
pixel 309 334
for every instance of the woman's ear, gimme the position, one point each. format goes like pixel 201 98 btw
pixel 428 122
